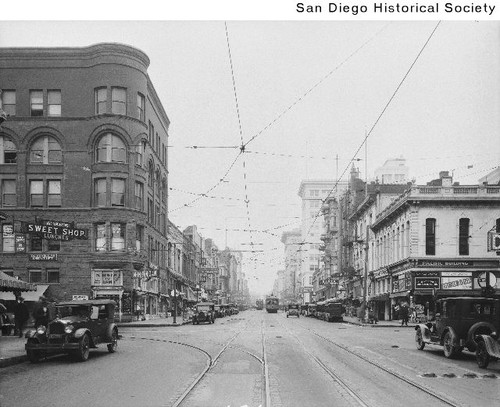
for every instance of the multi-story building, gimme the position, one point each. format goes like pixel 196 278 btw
pixel 394 171
pixel 83 174
pixel 292 241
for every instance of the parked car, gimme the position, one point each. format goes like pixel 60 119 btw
pixel 458 322
pixel 78 327
pixel 219 311
pixel 293 310
pixel 204 312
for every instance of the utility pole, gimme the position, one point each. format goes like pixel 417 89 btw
pixel 365 276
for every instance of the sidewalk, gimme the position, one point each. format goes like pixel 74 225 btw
pixel 12 347
pixel 380 324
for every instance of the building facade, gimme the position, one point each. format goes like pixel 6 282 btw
pixel 83 174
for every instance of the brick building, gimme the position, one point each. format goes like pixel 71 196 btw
pixel 83 175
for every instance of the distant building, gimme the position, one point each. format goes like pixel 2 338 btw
pixel 493 178
pixel 394 171
pixel 293 258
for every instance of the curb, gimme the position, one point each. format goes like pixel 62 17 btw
pixel 13 361
pixel 148 325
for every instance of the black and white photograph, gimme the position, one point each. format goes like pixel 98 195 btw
pixel 241 209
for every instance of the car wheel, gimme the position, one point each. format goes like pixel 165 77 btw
pixel 113 346
pixel 419 340
pixel 84 348
pixel 449 350
pixel 482 356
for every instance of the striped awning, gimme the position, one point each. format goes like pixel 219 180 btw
pixel 8 283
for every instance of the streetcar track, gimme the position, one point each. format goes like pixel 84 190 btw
pixel 431 393
pixel 212 362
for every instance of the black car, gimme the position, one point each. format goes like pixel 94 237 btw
pixel 204 312
pixel 458 322
pixel 78 327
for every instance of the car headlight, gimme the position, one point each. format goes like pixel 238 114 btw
pixel 494 334
pixel 41 330
pixel 68 329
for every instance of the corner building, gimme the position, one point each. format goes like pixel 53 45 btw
pixel 83 175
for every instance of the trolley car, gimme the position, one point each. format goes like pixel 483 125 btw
pixel 272 304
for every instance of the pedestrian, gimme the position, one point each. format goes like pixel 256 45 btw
pixel 21 315
pixel 42 314
pixel 404 314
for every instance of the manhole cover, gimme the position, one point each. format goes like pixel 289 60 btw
pixel 470 375
pixel 279 336
pixel 490 376
pixel 394 346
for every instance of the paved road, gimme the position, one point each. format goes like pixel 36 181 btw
pixel 253 359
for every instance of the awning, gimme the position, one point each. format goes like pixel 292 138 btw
pixel 8 283
pixel 191 295
pixel 28 295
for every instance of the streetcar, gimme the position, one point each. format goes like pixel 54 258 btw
pixel 272 304
pixel 259 304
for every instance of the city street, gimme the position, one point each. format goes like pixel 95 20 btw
pixel 257 359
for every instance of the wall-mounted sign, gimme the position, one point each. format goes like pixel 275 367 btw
pixel 54 230
pixel 486 279
pixel 20 243
pixel 456 283
pixel 43 256
pixel 426 282
pixel 444 263
pixel 79 297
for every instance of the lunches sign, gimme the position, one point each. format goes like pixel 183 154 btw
pixel 54 230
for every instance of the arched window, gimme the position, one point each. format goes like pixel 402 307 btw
pixel 8 151
pixel 111 148
pixel 46 150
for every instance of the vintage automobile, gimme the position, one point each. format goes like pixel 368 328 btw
pixel 458 322
pixel 78 327
pixel 293 310
pixel 219 311
pixel 204 312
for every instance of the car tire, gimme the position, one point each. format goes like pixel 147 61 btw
pixel 113 346
pixel 83 348
pixel 419 340
pixel 450 351
pixel 482 357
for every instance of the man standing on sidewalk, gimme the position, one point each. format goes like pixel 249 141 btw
pixel 21 315
pixel 404 314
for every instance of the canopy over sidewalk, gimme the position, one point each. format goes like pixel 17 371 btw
pixel 8 283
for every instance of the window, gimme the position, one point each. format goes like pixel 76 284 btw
pixel 8 151
pixel 141 107
pixel 150 211
pixel 9 102
pixel 100 192
pixel 111 148
pixel 139 237
pixel 139 196
pixel 53 245
pixel 35 276
pixel 119 101
pixel 117 236
pixel 151 133
pixel 151 174
pixel 46 150
pixel 54 103
pixel 101 96
pixel 100 237
pixel 7 238
pixel 54 193
pixel 36 193
pixel 53 276
pixel 36 243
pixel 8 193
pixel 157 144
pixel 117 192
pixel 36 102
pixel 430 236
pixel 463 238
pixel 139 153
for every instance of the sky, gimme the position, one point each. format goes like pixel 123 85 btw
pixel 300 95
